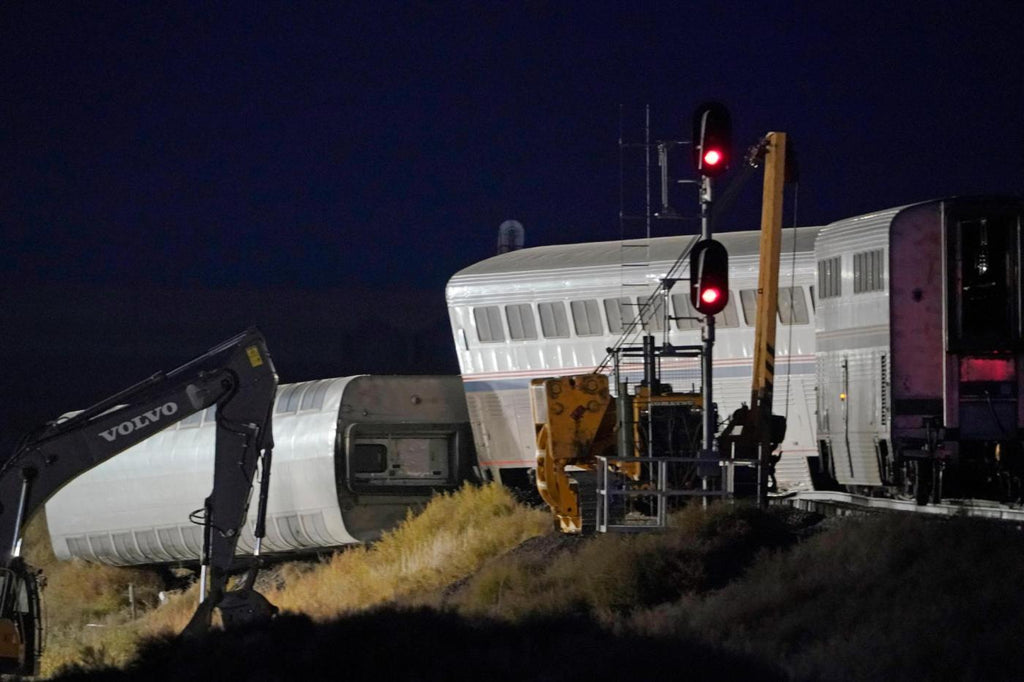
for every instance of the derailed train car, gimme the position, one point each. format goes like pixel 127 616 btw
pixel 555 310
pixel 352 455
pixel 900 350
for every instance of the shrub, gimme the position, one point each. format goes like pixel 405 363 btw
pixel 450 539
pixel 610 575
pixel 881 598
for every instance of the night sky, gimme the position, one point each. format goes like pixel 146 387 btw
pixel 175 172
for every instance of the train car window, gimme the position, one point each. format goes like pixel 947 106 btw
pixel 652 313
pixel 521 323
pixel 985 255
pixel 686 317
pixel 284 397
pixel 728 317
pixel 147 544
pixel 369 458
pixel 169 539
pixel 618 313
pixel 586 317
pixel 78 547
pixel 793 306
pixel 313 399
pixel 868 271
pixel 748 301
pixel 488 324
pixel 102 545
pixel 124 546
pixel 292 404
pixel 192 537
pixel 829 277
pixel 554 324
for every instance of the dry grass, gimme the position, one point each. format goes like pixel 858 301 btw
pixel 86 608
pixel 886 598
pixel 610 575
pixel 87 611
pixel 452 538
pixel 881 598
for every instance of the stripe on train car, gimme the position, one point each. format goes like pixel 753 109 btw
pixel 505 381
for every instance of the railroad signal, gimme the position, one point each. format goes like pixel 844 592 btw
pixel 712 139
pixel 709 277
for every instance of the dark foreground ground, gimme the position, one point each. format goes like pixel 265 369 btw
pixel 423 644
pixel 743 595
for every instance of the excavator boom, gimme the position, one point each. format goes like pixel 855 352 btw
pixel 754 432
pixel 237 376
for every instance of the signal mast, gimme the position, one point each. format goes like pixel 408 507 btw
pixel 709 261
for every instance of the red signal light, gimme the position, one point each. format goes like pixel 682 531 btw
pixel 712 139
pixel 709 277
pixel 709 296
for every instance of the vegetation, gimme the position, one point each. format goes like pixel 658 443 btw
pixel 871 599
pixel 87 611
pixel 610 575
pixel 449 540
pixel 478 584
pixel 88 615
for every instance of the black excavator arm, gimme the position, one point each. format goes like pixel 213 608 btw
pixel 238 377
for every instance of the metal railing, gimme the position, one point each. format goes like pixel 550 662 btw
pixel 646 508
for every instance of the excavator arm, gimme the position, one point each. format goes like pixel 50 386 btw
pixel 754 432
pixel 237 376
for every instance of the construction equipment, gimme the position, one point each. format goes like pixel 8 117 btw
pixel 575 422
pixel 579 424
pixel 238 378
pixel 754 433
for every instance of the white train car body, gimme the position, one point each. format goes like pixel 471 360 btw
pixel 920 336
pixel 352 455
pixel 555 310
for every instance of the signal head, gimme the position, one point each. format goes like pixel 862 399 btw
pixel 712 139
pixel 709 277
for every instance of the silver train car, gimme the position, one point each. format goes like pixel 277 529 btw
pixel 920 358
pixel 352 455
pixel 900 357
pixel 555 310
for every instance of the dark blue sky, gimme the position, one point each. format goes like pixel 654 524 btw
pixel 320 146
pixel 328 143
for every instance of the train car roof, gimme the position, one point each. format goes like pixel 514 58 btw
pixel 886 216
pixel 614 253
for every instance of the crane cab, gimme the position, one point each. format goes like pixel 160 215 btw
pixel 20 625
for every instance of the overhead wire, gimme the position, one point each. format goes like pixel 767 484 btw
pixel 792 283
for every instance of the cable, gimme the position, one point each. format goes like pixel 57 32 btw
pixel 792 282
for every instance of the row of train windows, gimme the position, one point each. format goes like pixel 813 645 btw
pixel 291 398
pixel 619 313
pixel 868 273
pixel 184 542
pixel 300 397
